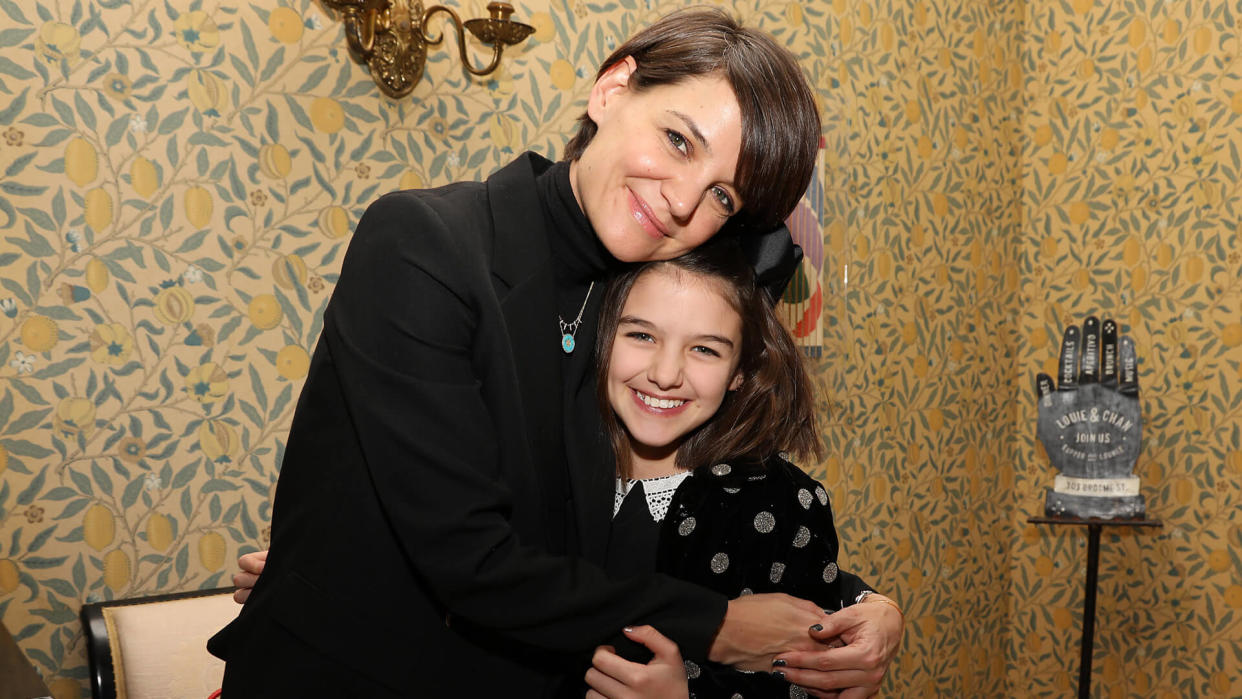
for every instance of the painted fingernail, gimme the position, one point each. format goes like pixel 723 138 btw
pixel 778 663
pixel 779 674
pixel 628 629
pixel 817 627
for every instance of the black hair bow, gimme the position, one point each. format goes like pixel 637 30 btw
pixel 774 256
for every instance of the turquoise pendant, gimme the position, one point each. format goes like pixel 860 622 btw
pixel 567 343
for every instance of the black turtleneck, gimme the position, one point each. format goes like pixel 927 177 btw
pixel 578 259
pixel 577 253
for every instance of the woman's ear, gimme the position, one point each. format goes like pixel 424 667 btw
pixel 614 82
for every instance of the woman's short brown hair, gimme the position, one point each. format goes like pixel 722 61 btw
pixel 780 124
pixel 772 410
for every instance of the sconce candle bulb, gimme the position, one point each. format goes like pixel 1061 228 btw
pixel 390 37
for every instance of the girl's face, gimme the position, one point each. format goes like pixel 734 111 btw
pixel 657 179
pixel 674 357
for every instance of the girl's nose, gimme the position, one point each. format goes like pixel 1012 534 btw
pixel 665 370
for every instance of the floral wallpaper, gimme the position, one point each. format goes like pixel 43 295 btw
pixel 179 183
pixel 180 180
pixel 918 375
pixel 1130 200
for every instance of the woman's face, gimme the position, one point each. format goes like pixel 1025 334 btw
pixel 674 357
pixel 657 179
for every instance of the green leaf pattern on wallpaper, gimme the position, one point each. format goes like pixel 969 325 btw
pixel 180 181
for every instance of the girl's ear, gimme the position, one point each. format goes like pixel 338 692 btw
pixel 614 82
pixel 736 383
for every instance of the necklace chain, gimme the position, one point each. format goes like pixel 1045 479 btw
pixel 569 330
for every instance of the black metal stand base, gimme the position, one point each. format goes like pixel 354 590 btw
pixel 1094 527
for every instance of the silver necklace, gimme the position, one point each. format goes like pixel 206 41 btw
pixel 568 330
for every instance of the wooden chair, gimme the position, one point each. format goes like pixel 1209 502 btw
pixel 156 647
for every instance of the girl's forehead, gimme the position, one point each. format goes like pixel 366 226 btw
pixel 666 287
pixel 670 276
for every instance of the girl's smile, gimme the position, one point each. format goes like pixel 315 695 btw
pixel 659 406
pixel 674 359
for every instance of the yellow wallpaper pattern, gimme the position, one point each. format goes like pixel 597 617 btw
pixel 922 122
pixel 1130 204
pixel 180 180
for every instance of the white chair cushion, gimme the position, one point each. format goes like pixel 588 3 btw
pixel 163 646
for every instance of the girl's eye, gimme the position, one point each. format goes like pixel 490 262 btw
pixel 723 197
pixel 678 141
pixel 705 350
pixel 640 336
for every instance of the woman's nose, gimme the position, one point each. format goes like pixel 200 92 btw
pixel 682 195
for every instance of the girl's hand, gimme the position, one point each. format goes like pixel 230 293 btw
pixel 251 566
pixel 614 677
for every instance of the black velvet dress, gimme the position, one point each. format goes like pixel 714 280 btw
pixel 739 529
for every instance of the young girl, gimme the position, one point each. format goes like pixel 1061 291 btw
pixel 701 389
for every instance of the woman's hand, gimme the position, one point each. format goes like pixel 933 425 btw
pixel 251 566
pixel 871 631
pixel 757 627
pixel 614 677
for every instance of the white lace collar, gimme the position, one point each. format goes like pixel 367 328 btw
pixel 659 492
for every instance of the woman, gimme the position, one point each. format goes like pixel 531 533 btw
pixel 702 389
pixel 446 439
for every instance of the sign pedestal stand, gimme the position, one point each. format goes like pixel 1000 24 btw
pixel 1094 526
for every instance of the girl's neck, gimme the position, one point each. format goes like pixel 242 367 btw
pixel 653 466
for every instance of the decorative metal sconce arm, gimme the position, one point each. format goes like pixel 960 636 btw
pixel 497 29
pixel 461 40
pixel 389 36
pixel 361 20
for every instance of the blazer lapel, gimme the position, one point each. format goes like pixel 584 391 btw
pixel 591 467
pixel 521 268
pixel 564 434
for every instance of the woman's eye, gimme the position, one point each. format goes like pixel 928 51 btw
pixel 677 140
pixel 723 197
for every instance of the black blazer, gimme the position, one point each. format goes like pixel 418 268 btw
pixel 410 531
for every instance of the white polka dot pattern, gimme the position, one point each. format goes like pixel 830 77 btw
pixel 804 498
pixel 764 522
pixel 777 572
pixel 830 572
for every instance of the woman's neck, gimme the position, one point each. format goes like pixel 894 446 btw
pixel 579 257
pixel 573 183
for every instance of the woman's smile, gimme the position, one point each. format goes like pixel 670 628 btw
pixel 642 213
pixel 656 181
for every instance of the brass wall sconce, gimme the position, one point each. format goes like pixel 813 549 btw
pixel 390 37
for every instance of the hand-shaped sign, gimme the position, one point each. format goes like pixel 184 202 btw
pixel 1089 423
